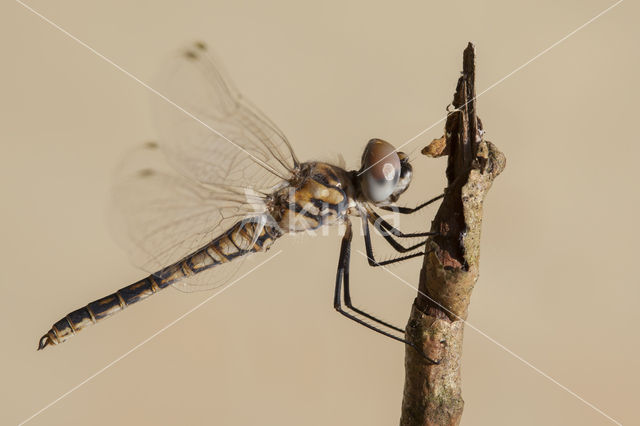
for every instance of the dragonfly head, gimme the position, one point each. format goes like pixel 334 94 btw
pixel 385 173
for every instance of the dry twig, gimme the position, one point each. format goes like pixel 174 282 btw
pixel 432 393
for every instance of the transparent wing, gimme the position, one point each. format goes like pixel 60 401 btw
pixel 161 217
pixel 211 133
pixel 225 155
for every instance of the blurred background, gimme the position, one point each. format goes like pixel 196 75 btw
pixel 560 237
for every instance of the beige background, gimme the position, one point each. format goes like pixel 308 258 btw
pixel 558 285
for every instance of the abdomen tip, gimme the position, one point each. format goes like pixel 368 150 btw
pixel 44 342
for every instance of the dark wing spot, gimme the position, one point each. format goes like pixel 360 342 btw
pixel 151 145
pixel 146 172
pixel 200 45
pixel 189 54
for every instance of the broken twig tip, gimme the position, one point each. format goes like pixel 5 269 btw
pixel 437 148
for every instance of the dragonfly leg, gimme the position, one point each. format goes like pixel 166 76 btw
pixel 343 269
pixel 386 229
pixel 367 243
pixel 342 277
pixel 409 210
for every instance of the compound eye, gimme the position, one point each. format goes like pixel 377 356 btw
pixel 381 165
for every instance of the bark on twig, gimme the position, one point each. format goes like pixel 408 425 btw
pixel 432 393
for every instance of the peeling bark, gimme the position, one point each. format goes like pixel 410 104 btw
pixel 432 393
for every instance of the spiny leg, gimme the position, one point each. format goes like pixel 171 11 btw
pixel 387 229
pixel 343 273
pixel 409 210
pixel 347 301
pixel 379 223
pixel 367 243
pixel 343 278
pixel 347 292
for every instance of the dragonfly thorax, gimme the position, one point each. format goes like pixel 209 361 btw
pixel 320 194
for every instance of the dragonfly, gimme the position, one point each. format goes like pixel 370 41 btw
pixel 223 183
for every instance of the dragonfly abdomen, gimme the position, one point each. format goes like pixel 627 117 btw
pixel 239 240
pixel 98 310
